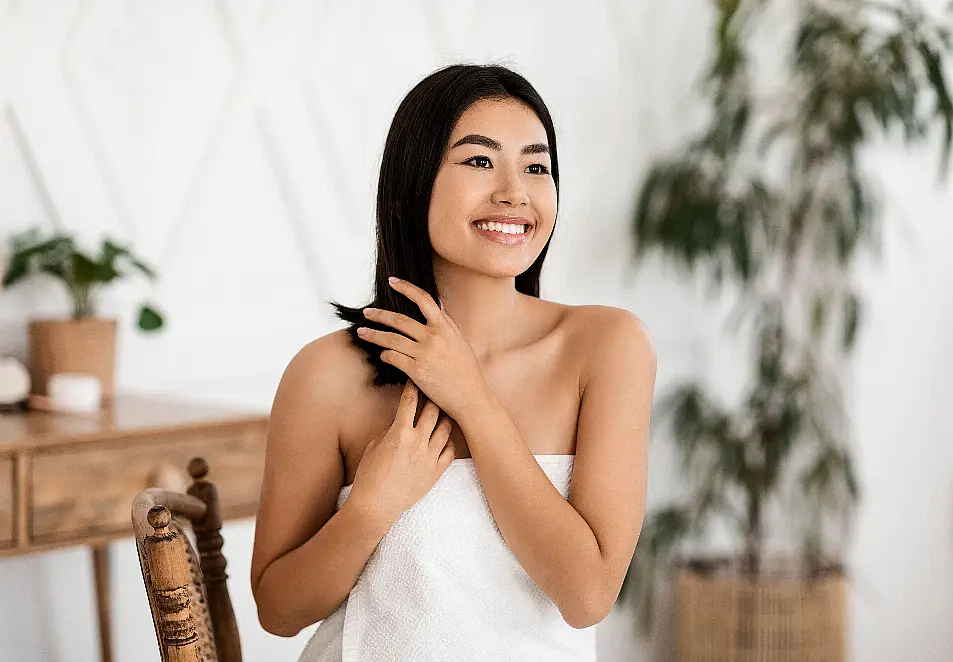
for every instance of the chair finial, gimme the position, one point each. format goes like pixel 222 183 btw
pixel 159 517
pixel 198 468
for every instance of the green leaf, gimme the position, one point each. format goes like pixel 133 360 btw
pixel 112 251
pixel 150 319
pixel 59 245
pixel 739 246
pixel 818 314
pixel 944 106
pixel 851 320
pixel 29 255
pixel 87 272
pixel 56 270
pixel 850 477
pixel 17 269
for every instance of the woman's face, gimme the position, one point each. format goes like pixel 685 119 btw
pixel 496 163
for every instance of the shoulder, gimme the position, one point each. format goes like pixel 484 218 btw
pixel 328 366
pixel 603 335
pixel 596 324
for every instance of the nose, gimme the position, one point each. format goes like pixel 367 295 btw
pixel 510 188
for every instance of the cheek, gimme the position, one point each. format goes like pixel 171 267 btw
pixel 544 200
pixel 448 213
pixel 454 199
pixel 441 202
pixel 458 187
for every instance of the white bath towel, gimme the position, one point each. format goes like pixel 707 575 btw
pixel 443 586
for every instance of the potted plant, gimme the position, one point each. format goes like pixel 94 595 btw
pixel 772 197
pixel 83 342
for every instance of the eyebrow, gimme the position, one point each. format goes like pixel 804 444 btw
pixel 477 139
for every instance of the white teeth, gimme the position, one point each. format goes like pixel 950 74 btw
pixel 506 228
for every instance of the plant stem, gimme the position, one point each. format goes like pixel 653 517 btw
pixel 751 561
pixel 82 302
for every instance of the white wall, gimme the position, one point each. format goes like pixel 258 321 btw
pixel 236 145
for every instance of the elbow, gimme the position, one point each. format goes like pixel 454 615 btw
pixel 270 617
pixel 582 619
pixel 272 623
pixel 588 611
pixel 278 616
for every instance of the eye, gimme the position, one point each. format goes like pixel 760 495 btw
pixel 544 171
pixel 474 158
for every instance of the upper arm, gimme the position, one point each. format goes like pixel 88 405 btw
pixel 611 466
pixel 304 469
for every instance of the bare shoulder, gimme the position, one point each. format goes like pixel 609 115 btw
pixel 600 333
pixel 320 381
pixel 592 318
pixel 304 469
pixel 330 365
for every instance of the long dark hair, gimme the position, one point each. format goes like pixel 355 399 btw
pixel 414 148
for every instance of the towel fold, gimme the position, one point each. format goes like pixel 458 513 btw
pixel 443 586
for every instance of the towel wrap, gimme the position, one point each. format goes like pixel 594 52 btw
pixel 443 586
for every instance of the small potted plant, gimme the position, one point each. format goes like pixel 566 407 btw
pixel 84 342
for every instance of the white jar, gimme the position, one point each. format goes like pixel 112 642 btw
pixel 74 391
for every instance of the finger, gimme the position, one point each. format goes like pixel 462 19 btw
pixel 406 325
pixel 428 417
pixel 446 456
pixel 394 341
pixel 441 433
pixel 407 406
pixel 452 323
pixel 402 361
pixel 424 301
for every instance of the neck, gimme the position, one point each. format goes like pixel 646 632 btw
pixel 485 308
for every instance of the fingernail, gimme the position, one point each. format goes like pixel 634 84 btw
pixel 370 311
pixel 393 279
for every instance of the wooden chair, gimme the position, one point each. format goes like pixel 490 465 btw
pixel 188 595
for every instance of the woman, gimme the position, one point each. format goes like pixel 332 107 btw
pixel 449 531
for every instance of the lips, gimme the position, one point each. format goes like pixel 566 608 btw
pixel 505 218
pixel 501 237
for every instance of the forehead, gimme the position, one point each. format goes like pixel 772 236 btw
pixel 509 121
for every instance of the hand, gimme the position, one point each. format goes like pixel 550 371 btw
pixel 402 465
pixel 435 355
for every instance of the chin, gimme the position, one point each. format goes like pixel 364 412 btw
pixel 501 270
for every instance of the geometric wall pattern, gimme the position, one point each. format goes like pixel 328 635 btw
pixel 235 144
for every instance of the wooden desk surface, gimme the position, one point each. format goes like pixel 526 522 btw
pixel 129 414
pixel 68 479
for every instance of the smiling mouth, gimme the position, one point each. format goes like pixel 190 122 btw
pixel 496 233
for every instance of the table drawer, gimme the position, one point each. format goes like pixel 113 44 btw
pixel 6 502
pixel 90 492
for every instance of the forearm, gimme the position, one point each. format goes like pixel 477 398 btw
pixel 308 583
pixel 552 541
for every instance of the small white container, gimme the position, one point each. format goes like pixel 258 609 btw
pixel 14 381
pixel 74 391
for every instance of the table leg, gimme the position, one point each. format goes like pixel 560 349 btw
pixel 101 575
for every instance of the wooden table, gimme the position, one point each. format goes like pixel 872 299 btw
pixel 70 480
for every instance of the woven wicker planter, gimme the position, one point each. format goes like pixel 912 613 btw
pixel 69 345
pixel 727 617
